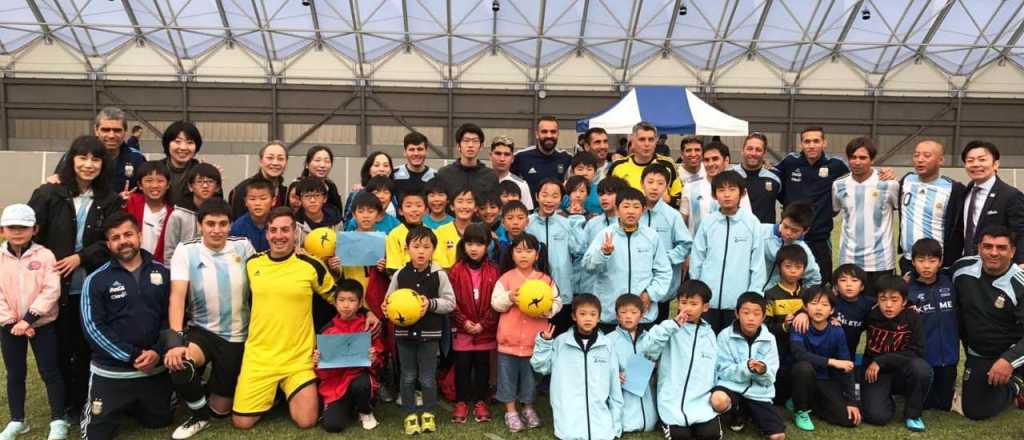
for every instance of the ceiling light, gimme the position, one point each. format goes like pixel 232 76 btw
pixel 495 6
pixel 682 9
pixel 865 14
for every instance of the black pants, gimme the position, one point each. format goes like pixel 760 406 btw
pixel 783 384
pixel 761 413
pixel 824 397
pixel 720 318
pixel 358 399
pixel 472 375
pixel 15 352
pixel 940 396
pixel 146 399
pixel 822 251
pixel 709 430
pixel 663 310
pixel 562 320
pixel 870 283
pixel 911 379
pixel 981 400
pixel 73 354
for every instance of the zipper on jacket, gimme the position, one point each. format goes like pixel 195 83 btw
pixel 750 352
pixel 689 370
pixel 643 412
pixel 629 262
pixel 721 278
pixel 586 387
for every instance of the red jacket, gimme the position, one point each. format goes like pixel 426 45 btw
pixel 136 206
pixel 478 310
pixel 334 382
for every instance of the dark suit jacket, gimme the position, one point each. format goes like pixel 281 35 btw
pixel 1003 206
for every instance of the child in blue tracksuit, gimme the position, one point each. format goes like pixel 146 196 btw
pixel 562 238
pixel 685 348
pixel 606 190
pixel 796 220
pixel 931 291
pixel 670 226
pixel 586 395
pixel 728 250
pixel 638 412
pixel 747 362
pixel 627 257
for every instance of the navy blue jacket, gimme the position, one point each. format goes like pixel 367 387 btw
pixel 936 303
pixel 122 317
pixel 120 170
pixel 852 314
pixel 804 181
pixel 534 166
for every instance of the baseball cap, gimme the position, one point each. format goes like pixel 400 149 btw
pixel 18 214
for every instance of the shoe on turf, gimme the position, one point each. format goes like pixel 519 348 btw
pixel 513 422
pixel 13 430
pixel 427 423
pixel 481 413
pixel 916 425
pixel 412 424
pixel 803 421
pixel 386 395
pixel 191 427
pixel 531 418
pixel 790 406
pixel 460 412
pixel 58 430
pixel 368 420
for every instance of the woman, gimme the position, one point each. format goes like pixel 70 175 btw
pixel 181 141
pixel 378 163
pixel 319 162
pixel 70 216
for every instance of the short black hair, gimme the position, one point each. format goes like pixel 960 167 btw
pixel 186 128
pixel 551 181
pixel 364 170
pixel 584 158
pixel 692 140
pixel 862 142
pixel 311 184
pixel 350 286
pixel 810 129
pixel 728 178
pixel 118 219
pixel 281 211
pixel 586 299
pixel 460 190
pixel 694 288
pixel 792 253
pixel 629 299
pixel 259 183
pixel 414 138
pixel 420 232
pixel 469 128
pixel 850 270
pixel 576 182
pixel 203 169
pixel 592 131
pixel 611 185
pixel 926 247
pixel 996 231
pixel 513 206
pixel 629 193
pixel 509 187
pixel 801 213
pixel 890 283
pixel 488 198
pixel 715 146
pixel 406 195
pixel 818 291
pixel 214 206
pixel 656 169
pixel 751 298
pixel 364 199
pixel 988 146
pixel 379 183
pixel 434 186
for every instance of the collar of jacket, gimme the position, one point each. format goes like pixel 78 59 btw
pixel 147 260
pixel 29 250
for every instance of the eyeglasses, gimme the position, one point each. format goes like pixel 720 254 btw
pixel 470 141
pixel 204 182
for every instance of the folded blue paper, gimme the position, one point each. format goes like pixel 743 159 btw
pixel 638 375
pixel 344 350
pixel 356 248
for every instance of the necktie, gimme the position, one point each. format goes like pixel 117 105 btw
pixel 969 246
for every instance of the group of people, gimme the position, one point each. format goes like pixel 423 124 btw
pixel 139 285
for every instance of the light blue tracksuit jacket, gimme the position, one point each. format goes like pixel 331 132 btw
pixel 734 350
pixel 637 264
pixel 562 237
pixel 686 370
pixel 728 256
pixel 638 412
pixel 584 279
pixel 675 238
pixel 772 244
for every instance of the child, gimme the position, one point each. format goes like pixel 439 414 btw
pixel 314 212
pixel 514 220
pixel 417 345
pixel 586 395
pixel 685 348
pixel 150 205
pixel 822 372
pixel 411 208
pixel 638 412
pixel 562 238
pixel 509 191
pixel 853 307
pixel 576 202
pixel 747 362
pixel 294 201
pixel 488 210
pixel 516 331
pixel 463 205
pixel 380 188
pixel 366 210
pixel 669 224
pixel 931 292
pixel 728 239
pixel 627 257
pixel 476 324
pixel 349 391
pixel 606 190
pixel 29 292
pixel 437 205
pixel 894 357
pixel 784 301
pixel 796 221
pixel 259 198
pixel 203 183
pixel 584 164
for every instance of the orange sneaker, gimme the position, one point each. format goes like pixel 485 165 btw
pixel 481 412
pixel 460 412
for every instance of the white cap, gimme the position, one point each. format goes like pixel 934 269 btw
pixel 18 214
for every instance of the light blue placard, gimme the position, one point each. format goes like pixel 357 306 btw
pixel 360 248
pixel 345 350
pixel 638 375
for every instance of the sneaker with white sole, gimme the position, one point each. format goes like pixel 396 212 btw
pixel 191 427
pixel 13 430
pixel 58 430
pixel 368 420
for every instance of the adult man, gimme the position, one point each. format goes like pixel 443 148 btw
pixel 990 299
pixel 273 160
pixel 410 176
pixel 596 142
pixel 124 310
pixel 763 186
pixel 133 140
pixel 698 200
pixel 988 200
pixel 502 152
pixel 543 161
pixel 691 168
pixel 642 154
pixel 661 148
pixel 110 127
pixel 929 204
pixel 867 205
pixel 279 349
pixel 210 273
pixel 467 171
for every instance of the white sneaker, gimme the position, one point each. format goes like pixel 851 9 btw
pixel 191 427
pixel 368 420
pixel 58 430
pixel 13 430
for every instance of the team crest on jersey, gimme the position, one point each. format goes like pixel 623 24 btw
pixel 117 290
pixel 238 258
pixel 1000 302
pixel 451 244
pixel 939 205
pixel 561 169
pixel 768 186
pixel 35 265
pixel 156 278
pixel 532 171
pixel 129 169
pixel 823 172
pixel 874 194
pixel 797 176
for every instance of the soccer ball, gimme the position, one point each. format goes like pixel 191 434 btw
pixel 403 307
pixel 320 242
pixel 535 298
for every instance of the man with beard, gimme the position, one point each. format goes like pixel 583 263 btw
pixel 595 141
pixel 124 311
pixel 543 161
pixel 414 173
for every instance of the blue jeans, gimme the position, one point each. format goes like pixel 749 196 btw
pixel 418 361
pixel 516 381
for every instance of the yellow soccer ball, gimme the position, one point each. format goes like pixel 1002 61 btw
pixel 320 242
pixel 535 298
pixel 403 307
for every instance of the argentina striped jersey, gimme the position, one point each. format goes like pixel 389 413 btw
pixel 924 206
pixel 866 209
pixel 219 297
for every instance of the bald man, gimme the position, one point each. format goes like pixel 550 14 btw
pixel 929 204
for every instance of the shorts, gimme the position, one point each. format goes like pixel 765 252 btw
pixel 225 356
pixel 257 387
pixel 146 399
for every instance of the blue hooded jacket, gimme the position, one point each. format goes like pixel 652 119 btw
pixel 638 413
pixel 585 280
pixel 686 370
pixel 586 396
pixel 728 255
pixel 637 264
pixel 563 238
pixel 772 244
pixel 675 239
pixel 734 350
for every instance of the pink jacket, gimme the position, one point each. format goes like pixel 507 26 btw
pixel 29 284
pixel 516 331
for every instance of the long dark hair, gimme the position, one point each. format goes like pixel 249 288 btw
pixel 84 146
pixel 364 172
pixel 475 233
pixel 312 152
pixel 531 242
